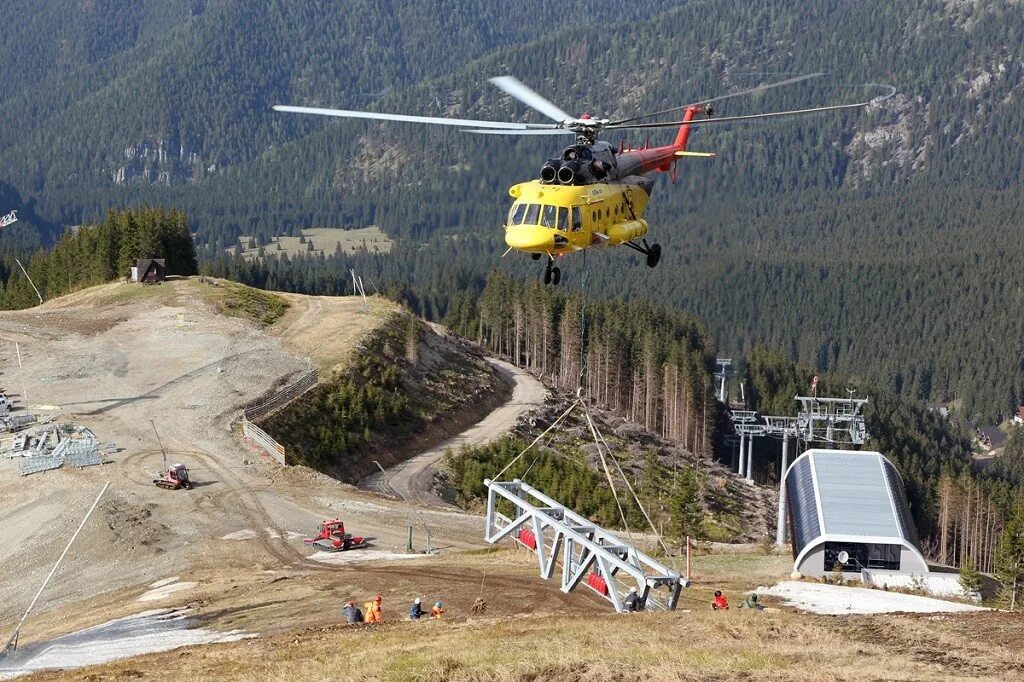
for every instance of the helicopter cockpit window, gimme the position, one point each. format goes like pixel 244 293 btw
pixel 577 219
pixel 515 216
pixel 532 213
pixel 548 216
pixel 563 218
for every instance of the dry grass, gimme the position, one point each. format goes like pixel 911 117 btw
pixel 543 638
pixel 686 646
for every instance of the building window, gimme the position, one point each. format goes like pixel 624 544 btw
pixel 861 555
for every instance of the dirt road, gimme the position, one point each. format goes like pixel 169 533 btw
pixel 411 480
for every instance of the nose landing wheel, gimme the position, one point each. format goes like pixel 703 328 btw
pixel 552 275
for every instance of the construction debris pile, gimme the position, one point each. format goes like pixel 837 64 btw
pixel 49 446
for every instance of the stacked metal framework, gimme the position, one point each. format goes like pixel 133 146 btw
pixel 582 549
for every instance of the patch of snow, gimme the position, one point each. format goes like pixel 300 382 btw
pixel 295 535
pixel 937 584
pixel 354 555
pixel 838 600
pixel 271 533
pixel 165 591
pixel 142 633
pixel 244 534
pixel 165 581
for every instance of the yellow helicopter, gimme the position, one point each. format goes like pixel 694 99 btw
pixel 594 193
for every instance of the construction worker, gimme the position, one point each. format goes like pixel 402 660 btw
pixel 633 602
pixel 415 611
pixel 479 606
pixel 720 603
pixel 353 616
pixel 373 612
pixel 751 602
pixel 437 611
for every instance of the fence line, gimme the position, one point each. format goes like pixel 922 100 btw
pixel 262 439
pixel 258 410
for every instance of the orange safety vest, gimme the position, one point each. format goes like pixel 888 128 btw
pixel 373 613
pixel 436 613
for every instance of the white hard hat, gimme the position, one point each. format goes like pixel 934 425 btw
pixel 632 589
pixel 417 600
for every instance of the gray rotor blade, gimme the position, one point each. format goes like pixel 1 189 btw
pixel 344 113
pixel 741 93
pixel 514 87
pixel 752 117
pixel 533 131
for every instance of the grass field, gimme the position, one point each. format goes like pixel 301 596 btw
pixel 532 638
pixel 325 240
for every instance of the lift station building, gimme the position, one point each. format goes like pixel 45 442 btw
pixel 849 508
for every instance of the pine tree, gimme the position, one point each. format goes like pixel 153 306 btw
pixel 970 578
pixel 684 507
pixel 1010 558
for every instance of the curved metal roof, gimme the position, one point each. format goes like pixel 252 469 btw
pixel 847 495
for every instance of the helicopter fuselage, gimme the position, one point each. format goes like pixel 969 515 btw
pixel 560 219
pixel 593 195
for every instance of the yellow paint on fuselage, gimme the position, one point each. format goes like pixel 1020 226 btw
pixel 559 219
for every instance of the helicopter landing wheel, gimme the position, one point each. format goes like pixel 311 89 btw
pixel 535 256
pixel 556 276
pixel 653 255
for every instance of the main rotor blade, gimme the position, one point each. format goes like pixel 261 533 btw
pixel 752 117
pixel 437 120
pixel 741 93
pixel 514 87
pixel 533 131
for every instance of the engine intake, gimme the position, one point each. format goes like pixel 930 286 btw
pixel 549 171
pixel 567 173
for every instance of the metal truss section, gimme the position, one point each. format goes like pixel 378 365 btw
pixel 832 420
pixel 33 465
pixel 740 416
pixel 582 549
pixel 84 459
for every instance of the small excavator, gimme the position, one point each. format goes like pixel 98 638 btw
pixel 333 538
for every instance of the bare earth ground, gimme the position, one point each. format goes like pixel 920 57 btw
pixel 117 356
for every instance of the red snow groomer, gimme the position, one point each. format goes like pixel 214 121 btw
pixel 333 538
pixel 175 478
